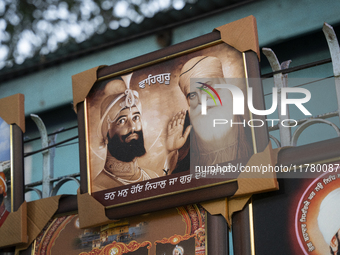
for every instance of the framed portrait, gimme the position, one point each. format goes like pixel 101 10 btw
pixel 12 127
pixel 5 173
pixel 184 231
pixel 145 133
pixel 301 217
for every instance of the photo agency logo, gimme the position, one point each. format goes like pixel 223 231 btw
pixel 204 87
pixel 236 95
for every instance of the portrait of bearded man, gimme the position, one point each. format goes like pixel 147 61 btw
pixel 223 143
pixel 121 130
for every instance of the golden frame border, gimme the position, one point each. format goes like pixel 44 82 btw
pixel 12 165
pixel 251 228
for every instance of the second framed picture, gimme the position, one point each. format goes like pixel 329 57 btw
pixel 301 217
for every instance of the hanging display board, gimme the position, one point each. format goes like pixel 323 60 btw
pixel 145 134
pixel 188 230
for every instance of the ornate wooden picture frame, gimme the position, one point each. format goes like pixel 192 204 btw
pixel 152 93
pixel 190 228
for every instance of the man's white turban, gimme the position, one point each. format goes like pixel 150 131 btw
pixel 329 215
pixel 122 97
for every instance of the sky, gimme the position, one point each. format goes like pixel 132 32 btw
pixel 4 141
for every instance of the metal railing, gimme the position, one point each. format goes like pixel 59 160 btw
pixel 280 74
pixel 51 185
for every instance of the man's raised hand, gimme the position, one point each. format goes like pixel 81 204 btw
pixel 175 137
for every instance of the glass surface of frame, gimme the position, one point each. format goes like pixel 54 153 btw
pixel 184 229
pixel 127 149
pixel 139 142
pixel 139 136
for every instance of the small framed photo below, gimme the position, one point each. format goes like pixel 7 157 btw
pixel 183 231
pixel 12 127
pixel 172 123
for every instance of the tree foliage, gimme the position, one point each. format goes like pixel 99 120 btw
pixel 35 27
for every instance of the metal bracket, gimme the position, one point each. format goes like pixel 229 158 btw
pixel 38 192
pixel 48 156
pixel 280 81
pixel 61 182
pixel 308 123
